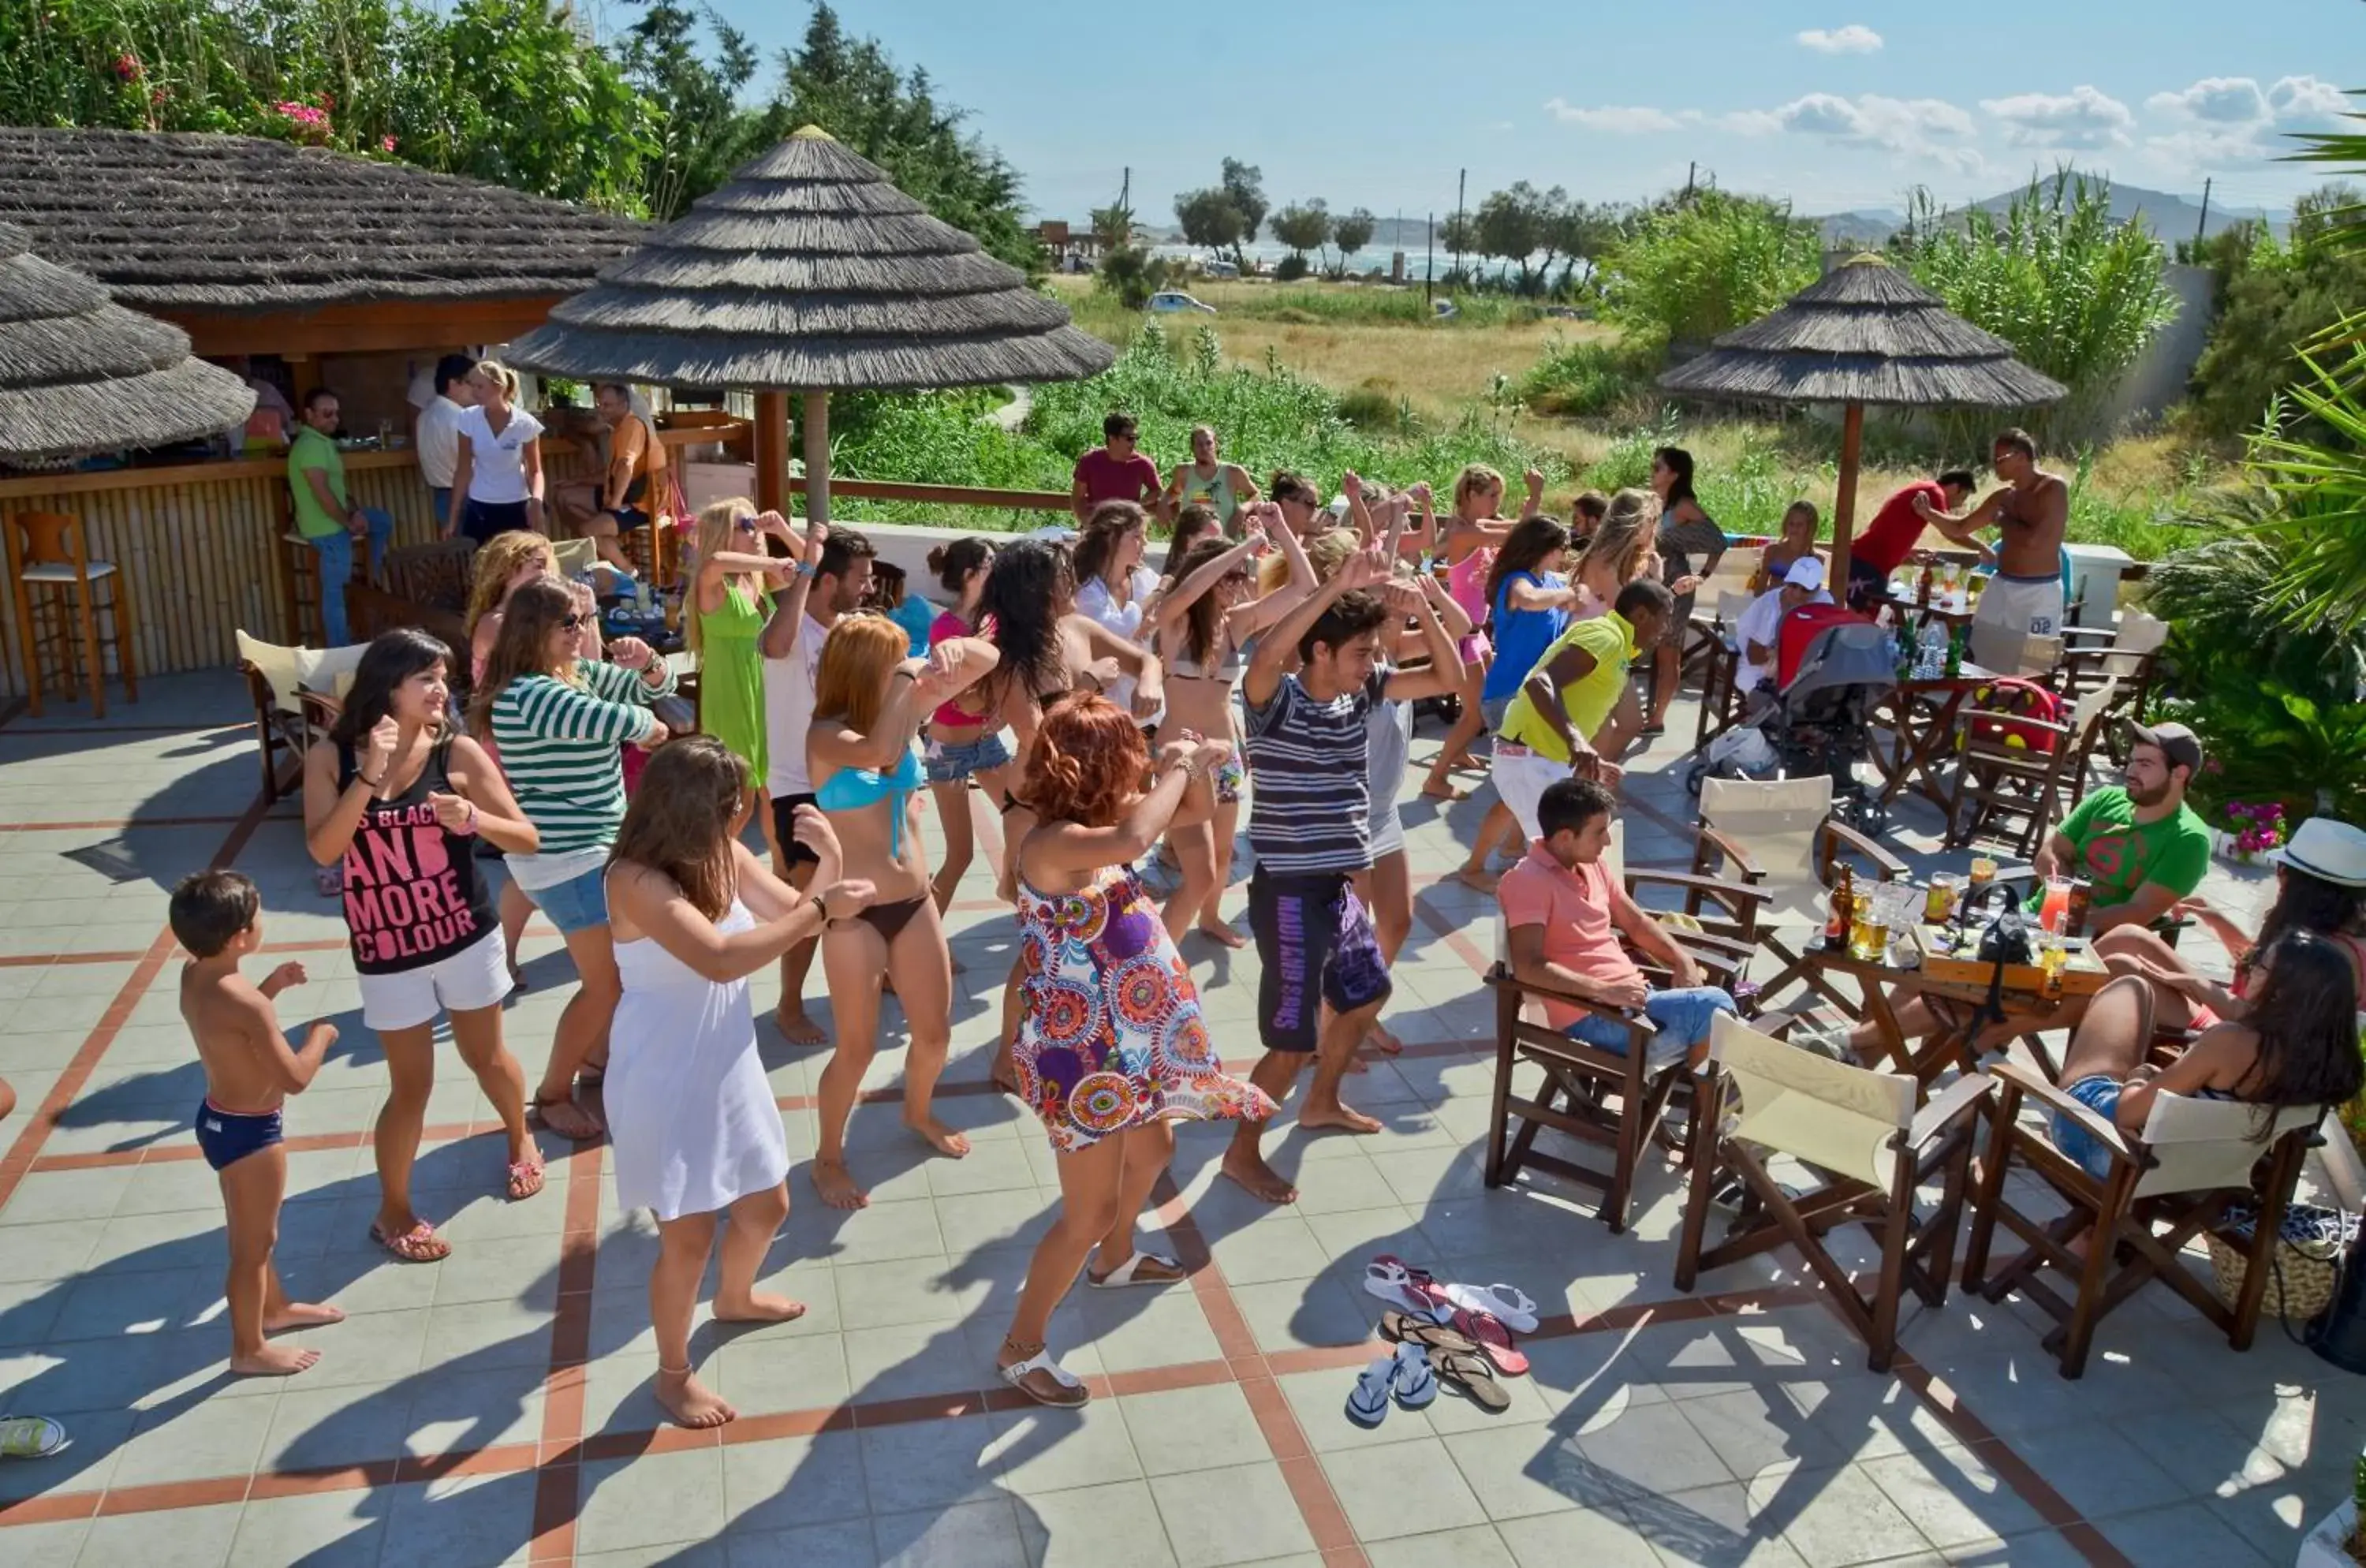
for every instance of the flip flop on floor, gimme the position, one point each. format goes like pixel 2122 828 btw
pixel 1495 1341
pixel 1142 1269
pixel 1368 1401
pixel 1469 1375
pixel 1418 1329
pixel 1417 1385
pixel 1411 1290
pixel 1506 1301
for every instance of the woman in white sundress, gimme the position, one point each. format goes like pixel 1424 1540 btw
pixel 697 1134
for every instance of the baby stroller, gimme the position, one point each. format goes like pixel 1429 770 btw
pixel 1831 666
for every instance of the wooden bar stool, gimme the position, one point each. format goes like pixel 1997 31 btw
pixel 47 551
pixel 299 571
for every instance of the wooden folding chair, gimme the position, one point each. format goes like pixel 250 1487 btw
pixel 278 679
pixel 1721 701
pixel 2166 1188
pixel 1859 1131
pixel 1781 840
pixel 2014 793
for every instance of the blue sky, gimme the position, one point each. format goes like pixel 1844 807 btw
pixel 1837 106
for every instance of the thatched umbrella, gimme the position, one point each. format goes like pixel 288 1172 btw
pixel 810 272
pixel 79 373
pixel 1863 333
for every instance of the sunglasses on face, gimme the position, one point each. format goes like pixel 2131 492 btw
pixel 573 622
pixel 745 525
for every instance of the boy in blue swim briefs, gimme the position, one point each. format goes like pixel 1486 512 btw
pixel 249 1069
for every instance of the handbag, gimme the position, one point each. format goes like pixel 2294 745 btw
pixel 2004 940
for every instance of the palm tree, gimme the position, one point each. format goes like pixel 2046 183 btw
pixel 2347 151
pixel 2316 468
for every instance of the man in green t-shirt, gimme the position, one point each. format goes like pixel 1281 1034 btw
pixel 316 484
pixel 2140 847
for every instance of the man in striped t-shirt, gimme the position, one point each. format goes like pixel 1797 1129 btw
pixel 1309 823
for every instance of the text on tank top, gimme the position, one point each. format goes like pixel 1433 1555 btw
pixel 414 893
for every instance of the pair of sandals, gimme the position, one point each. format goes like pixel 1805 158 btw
pixel 1477 1320
pixel 1405 1374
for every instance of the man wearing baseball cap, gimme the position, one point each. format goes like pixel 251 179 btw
pixel 1758 635
pixel 2140 846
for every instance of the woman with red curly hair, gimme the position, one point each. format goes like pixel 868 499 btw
pixel 1112 1051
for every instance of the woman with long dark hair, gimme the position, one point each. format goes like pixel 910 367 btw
pixel 2297 1044
pixel 1111 1050
pixel 561 721
pixel 2320 888
pixel 400 798
pixel 962 746
pixel 1687 534
pixel 1112 585
pixel 696 1133
pixel 869 697
pixel 1027 611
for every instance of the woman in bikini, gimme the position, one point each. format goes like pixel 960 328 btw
pixel 1208 481
pixel 1793 543
pixel 1473 535
pixel 1112 1050
pixel 507 562
pixel 1201 625
pixel 2320 888
pixel 961 745
pixel 400 798
pixel 869 698
pixel 2297 1044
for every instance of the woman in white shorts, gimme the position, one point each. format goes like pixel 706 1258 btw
pixel 400 798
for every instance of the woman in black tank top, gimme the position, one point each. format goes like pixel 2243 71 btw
pixel 400 801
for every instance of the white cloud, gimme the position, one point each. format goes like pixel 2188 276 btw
pixel 2206 148
pixel 1925 128
pixel 2215 100
pixel 2082 119
pixel 1635 120
pixel 1855 38
pixel 2307 97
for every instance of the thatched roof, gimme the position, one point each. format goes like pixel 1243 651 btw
pixel 1863 333
pixel 810 271
pixel 79 373
pixel 190 222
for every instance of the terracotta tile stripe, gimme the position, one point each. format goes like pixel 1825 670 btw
pixel 123 824
pixel 49 729
pixel 43 960
pixel 44 1120
pixel 558 1494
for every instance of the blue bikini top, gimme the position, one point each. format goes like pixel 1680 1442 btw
pixel 852 789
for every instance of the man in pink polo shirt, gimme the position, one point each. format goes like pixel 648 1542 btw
pixel 1565 915
pixel 1116 470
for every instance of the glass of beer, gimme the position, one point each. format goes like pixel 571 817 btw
pixel 1868 937
pixel 1984 871
pixel 1939 900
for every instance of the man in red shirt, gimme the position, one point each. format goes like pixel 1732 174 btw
pixel 1894 530
pixel 1115 471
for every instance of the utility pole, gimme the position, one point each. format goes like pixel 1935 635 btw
pixel 1429 261
pixel 1461 181
pixel 1691 169
pixel 2202 229
pixel 1125 188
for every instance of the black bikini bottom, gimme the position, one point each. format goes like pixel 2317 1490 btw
pixel 889 918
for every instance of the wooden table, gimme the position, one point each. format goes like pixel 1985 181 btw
pixel 1951 610
pixel 1923 717
pixel 1956 1005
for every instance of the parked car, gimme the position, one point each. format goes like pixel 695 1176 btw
pixel 1171 301
pixel 1219 269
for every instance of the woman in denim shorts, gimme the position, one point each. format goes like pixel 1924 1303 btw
pixel 964 743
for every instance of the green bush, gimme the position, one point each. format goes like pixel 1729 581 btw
pixel 1695 268
pixel 1586 379
pixel 1290 268
pixel 2272 298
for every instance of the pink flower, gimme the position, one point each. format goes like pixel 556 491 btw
pixel 126 67
pixel 385 144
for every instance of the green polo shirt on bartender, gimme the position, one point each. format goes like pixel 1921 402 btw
pixel 1588 703
pixel 2118 854
pixel 313 450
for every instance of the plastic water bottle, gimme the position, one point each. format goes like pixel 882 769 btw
pixel 1933 657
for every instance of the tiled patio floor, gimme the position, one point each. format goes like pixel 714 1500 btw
pixel 494 1408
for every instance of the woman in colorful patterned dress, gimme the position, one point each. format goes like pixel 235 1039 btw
pixel 1112 1050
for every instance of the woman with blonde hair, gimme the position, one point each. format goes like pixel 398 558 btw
pixel 730 598
pixel 1473 535
pixel 697 1138
pixel 560 720
pixel 870 697
pixel 497 475
pixel 1619 553
pixel 1112 1051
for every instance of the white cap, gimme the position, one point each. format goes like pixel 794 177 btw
pixel 1807 572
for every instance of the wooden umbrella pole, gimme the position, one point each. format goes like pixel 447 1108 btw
pixel 772 444
pixel 817 457
pixel 1844 500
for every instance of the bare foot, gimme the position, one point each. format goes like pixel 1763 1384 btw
pixel 1250 1171
pixel 1383 1040
pixel 796 1027
pixel 759 1308
pixel 1219 933
pixel 1479 879
pixel 274 1361
pixel 941 1138
pixel 303 1314
pixel 690 1402
pixel 1336 1115
pixel 836 1185
pixel 569 1120
pixel 1435 788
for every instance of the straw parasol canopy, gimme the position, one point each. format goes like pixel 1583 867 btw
pixel 79 373
pixel 1863 333
pixel 810 272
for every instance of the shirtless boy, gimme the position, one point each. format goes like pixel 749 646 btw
pixel 2031 513
pixel 249 1069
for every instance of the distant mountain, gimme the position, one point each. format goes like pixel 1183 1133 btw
pixel 2172 218
pixel 1862 228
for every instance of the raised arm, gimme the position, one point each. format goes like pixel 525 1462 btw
pixel 788 618
pixel 1444 671
pixel 1247 621
pixel 1264 677
pixel 1066 847
pixel 1166 617
pixel 333 814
